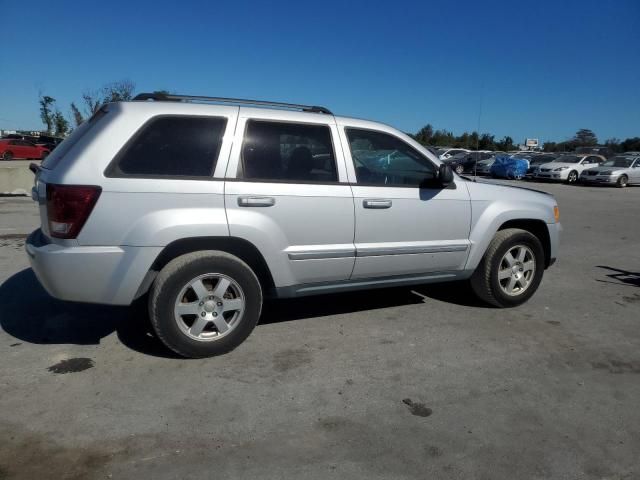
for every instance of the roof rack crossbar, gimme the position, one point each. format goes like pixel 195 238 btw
pixel 168 97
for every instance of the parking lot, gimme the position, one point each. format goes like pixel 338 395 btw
pixel 418 382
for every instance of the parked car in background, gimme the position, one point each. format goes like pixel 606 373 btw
pixel 536 161
pixel 450 152
pixel 466 161
pixel 567 168
pixel 620 171
pixel 12 148
pixel 48 141
pixel 484 166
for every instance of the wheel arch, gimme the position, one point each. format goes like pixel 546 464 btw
pixel 537 228
pixel 239 247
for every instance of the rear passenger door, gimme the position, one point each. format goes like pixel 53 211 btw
pixel 287 193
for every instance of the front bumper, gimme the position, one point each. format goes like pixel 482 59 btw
pixel 558 176
pixel 92 274
pixel 601 179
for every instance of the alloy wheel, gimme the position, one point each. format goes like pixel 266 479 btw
pixel 517 270
pixel 209 307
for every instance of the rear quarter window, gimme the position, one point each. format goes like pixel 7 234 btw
pixel 171 146
pixel 61 150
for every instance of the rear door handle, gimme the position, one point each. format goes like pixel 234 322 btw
pixel 256 201
pixel 376 203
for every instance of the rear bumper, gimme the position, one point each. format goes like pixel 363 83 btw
pixel 107 275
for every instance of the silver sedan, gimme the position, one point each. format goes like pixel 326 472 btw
pixel 620 171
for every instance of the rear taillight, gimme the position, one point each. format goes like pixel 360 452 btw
pixel 68 207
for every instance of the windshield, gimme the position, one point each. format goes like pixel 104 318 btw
pixel 618 162
pixel 568 159
pixel 540 160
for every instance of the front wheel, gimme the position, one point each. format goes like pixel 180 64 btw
pixel 205 303
pixel 623 181
pixel 511 269
pixel 573 177
pixel 7 156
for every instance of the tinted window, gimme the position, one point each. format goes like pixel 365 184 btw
pixel 382 159
pixel 173 146
pixel 288 152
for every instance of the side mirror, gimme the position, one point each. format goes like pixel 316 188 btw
pixel 445 175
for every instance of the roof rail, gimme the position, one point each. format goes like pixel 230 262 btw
pixel 169 97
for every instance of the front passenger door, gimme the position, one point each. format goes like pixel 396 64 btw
pixel 404 225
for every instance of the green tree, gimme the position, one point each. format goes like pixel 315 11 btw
pixel 630 145
pixel 120 91
pixel 505 144
pixel 60 123
pixel 46 111
pixel 77 115
pixel 486 142
pixel 585 138
pixel 425 134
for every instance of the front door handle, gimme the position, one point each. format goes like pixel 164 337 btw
pixel 256 201
pixel 376 203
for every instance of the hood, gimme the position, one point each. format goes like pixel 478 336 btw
pixel 487 181
pixel 553 165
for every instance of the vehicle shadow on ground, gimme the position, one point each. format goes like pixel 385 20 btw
pixel 285 310
pixel 30 314
pixel 620 276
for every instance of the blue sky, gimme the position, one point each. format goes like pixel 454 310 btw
pixel 542 68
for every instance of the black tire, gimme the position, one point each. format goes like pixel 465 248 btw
pixel 484 280
pixel 7 156
pixel 182 270
pixel 572 178
pixel 623 181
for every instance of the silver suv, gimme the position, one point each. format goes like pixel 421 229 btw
pixel 208 205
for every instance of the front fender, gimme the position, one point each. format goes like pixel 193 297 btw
pixel 499 206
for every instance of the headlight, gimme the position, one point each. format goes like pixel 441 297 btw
pixel 559 169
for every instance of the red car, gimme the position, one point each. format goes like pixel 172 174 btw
pixel 11 148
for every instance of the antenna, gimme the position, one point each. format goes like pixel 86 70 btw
pixel 475 163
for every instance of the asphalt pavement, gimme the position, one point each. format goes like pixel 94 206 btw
pixel 406 383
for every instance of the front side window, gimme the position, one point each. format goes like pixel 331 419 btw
pixel 288 152
pixel 172 146
pixel 383 159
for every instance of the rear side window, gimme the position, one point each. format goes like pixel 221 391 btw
pixel 172 146
pixel 288 152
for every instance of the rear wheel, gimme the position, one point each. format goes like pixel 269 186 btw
pixel 573 177
pixel 623 181
pixel 7 156
pixel 511 269
pixel 205 303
